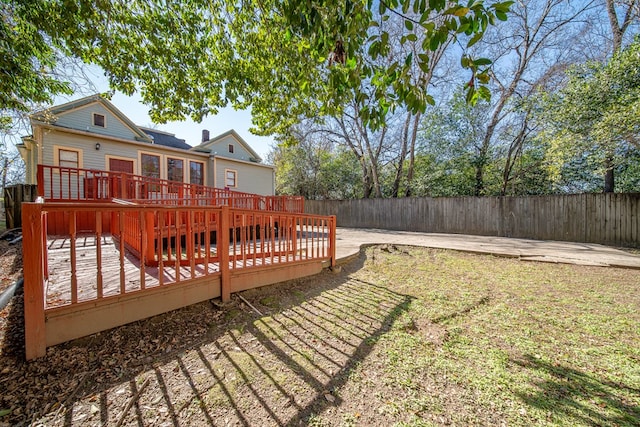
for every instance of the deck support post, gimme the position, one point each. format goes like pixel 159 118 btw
pixel 223 254
pixel 33 248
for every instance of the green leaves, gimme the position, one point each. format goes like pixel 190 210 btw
pixel 595 118
pixel 189 58
pixel 27 60
pixel 408 24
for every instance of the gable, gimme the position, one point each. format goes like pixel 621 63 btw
pixel 81 118
pixel 221 144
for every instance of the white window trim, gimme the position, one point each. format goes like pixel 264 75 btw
pixel 56 154
pixel 163 165
pixel 235 173
pixel 204 170
pixel 185 164
pixel 163 173
pixel 93 119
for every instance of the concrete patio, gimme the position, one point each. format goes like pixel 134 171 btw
pixel 349 241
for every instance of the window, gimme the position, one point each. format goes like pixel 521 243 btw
pixel 120 165
pixel 99 120
pixel 150 165
pixel 230 178
pixel 175 169
pixel 231 148
pixel 196 173
pixel 68 158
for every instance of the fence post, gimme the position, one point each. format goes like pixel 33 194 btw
pixel 34 326
pixel 223 254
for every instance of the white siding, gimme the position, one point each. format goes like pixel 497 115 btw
pixel 250 178
pixel 97 159
pixel 221 148
pixel 82 119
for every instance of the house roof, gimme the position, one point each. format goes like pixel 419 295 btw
pixel 206 146
pixel 166 139
pixel 143 134
pixel 48 115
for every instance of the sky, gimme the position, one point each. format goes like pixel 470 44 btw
pixel 191 132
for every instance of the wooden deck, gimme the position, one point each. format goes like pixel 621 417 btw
pixel 58 286
pixel 126 269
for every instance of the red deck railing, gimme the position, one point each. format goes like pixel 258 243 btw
pixel 62 184
pixel 155 258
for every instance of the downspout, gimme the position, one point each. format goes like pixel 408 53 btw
pixel 214 171
pixel 10 292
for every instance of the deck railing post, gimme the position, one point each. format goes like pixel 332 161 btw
pixel 332 240
pixel 123 186
pixel 40 179
pixel 150 250
pixel 45 255
pixel 223 254
pixel 34 322
pixel 294 236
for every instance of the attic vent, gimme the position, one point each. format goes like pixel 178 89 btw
pixel 99 120
pixel 231 148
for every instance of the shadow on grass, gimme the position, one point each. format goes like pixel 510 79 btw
pixel 577 397
pixel 205 365
pixel 462 312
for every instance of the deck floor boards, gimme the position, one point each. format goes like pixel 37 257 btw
pixel 58 285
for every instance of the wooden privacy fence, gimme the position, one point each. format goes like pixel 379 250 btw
pixel 611 219
pixel 154 258
pixel 13 198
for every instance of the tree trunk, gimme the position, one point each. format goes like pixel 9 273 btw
pixel 395 189
pixel 412 153
pixel 373 157
pixel 609 179
pixel 479 186
pixel 5 168
pixel 515 151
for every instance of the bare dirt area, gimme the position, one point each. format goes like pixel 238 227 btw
pixel 10 263
pixel 401 336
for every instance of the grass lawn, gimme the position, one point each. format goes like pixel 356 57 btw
pixel 489 341
pixel 402 336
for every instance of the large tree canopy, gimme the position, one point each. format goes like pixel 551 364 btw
pixel 27 60
pixel 189 58
pixel 597 114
